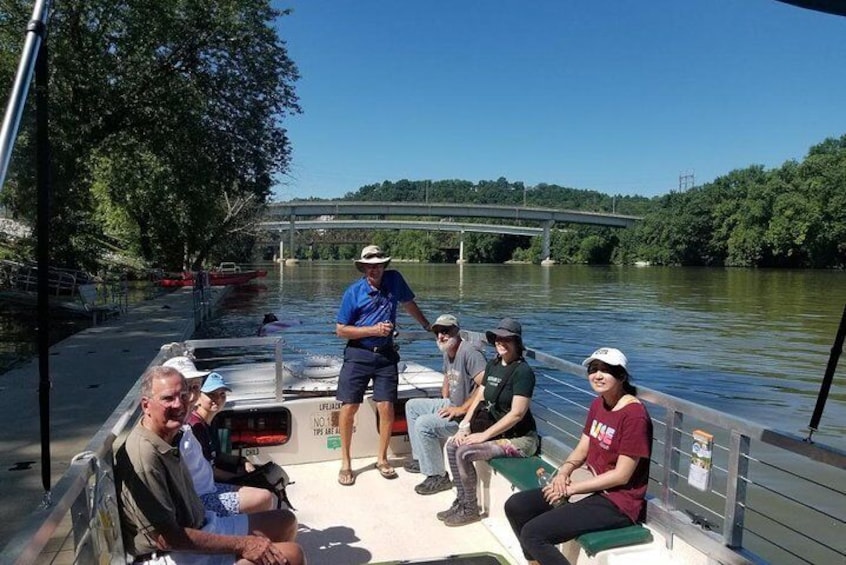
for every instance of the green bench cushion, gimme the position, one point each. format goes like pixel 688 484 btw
pixel 594 542
pixel 522 473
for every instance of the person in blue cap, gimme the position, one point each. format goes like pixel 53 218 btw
pixel 211 400
pixel 193 441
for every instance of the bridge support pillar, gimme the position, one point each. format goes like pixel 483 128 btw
pixel 460 248
pixel 281 257
pixel 545 253
pixel 292 260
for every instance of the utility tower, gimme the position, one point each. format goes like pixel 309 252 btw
pixel 686 180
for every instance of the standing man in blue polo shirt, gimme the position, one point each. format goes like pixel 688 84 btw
pixel 367 319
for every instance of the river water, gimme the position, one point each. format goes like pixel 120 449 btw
pixel 753 343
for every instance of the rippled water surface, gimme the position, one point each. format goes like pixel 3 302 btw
pixel 753 343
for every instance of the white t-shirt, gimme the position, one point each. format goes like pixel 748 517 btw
pixel 191 453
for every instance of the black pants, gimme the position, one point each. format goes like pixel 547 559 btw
pixel 540 527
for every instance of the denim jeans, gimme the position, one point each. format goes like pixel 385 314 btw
pixel 426 430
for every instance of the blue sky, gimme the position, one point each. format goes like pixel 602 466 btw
pixel 619 96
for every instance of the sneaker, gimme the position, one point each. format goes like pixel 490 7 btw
pixel 443 515
pixel 463 516
pixel 434 484
pixel 412 466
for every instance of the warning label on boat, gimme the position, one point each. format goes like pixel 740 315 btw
pixel 326 422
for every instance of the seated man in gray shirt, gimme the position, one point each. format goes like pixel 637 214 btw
pixel 431 420
pixel 162 518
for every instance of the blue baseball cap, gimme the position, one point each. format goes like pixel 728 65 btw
pixel 214 382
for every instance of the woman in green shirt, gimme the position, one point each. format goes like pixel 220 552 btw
pixel 506 394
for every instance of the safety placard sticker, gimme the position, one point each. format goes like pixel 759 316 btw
pixel 326 421
pixel 699 476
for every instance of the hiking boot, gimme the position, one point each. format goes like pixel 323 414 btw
pixel 434 484
pixel 463 516
pixel 444 514
pixel 412 466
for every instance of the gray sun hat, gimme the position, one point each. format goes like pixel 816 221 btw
pixel 507 328
pixel 445 321
pixel 372 255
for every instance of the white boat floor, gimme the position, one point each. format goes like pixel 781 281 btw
pixel 376 519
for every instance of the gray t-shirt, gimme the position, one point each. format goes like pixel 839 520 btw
pixel 468 362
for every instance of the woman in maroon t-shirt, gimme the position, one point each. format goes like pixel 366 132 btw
pixel 616 444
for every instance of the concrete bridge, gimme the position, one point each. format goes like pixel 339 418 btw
pixel 399 225
pixel 283 216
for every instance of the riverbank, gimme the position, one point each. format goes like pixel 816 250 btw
pixel 91 372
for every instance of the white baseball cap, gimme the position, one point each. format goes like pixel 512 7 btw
pixel 609 356
pixel 185 366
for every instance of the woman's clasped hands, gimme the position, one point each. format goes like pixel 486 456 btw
pixel 558 488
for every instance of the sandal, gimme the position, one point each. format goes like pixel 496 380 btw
pixel 386 470
pixel 346 477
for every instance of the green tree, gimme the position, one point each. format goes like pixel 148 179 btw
pixel 791 228
pixel 792 216
pixel 821 177
pixel 201 88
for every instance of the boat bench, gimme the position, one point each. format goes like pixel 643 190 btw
pixel 89 296
pixel 521 472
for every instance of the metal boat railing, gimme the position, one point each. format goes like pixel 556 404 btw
pixel 201 294
pixel 773 497
pixel 89 477
pixel 85 494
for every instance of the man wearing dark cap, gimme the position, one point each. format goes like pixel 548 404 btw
pixel 367 320
pixel 431 420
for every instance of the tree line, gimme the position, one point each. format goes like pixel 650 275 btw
pixel 791 216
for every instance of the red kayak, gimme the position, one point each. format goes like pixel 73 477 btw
pixel 187 278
